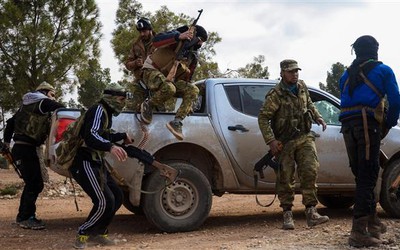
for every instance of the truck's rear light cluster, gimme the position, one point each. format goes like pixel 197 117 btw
pixel 62 126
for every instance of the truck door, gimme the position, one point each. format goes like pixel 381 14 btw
pixel 237 107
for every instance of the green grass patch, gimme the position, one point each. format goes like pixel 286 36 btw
pixel 9 190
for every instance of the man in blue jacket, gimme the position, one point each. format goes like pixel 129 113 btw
pixel 363 87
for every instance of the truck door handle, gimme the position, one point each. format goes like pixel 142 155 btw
pixel 238 127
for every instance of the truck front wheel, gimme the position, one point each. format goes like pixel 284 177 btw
pixel 183 205
pixel 388 200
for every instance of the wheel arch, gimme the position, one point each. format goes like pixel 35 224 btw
pixel 196 155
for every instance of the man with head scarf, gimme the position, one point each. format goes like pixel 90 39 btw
pixel 88 167
pixel 285 122
pixel 157 67
pixel 29 128
pixel 141 48
pixel 363 87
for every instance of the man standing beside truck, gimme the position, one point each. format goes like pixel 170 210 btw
pixel 30 126
pixel 285 123
pixel 364 123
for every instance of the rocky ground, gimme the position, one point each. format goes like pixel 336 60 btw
pixel 235 222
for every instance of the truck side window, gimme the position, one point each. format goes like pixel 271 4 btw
pixel 247 99
pixel 328 111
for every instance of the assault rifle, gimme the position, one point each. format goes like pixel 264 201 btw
pixel 5 152
pixel 183 47
pixel 264 162
pixel 146 158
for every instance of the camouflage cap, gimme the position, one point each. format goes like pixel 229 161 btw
pixel 114 89
pixel 289 64
pixel 45 86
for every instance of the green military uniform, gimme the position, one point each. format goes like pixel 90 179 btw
pixel 163 90
pixel 140 50
pixel 287 117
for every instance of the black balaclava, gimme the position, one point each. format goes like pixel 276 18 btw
pixel 366 49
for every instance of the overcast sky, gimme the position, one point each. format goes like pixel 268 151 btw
pixel 316 33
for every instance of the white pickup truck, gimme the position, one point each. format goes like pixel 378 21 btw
pixel 221 146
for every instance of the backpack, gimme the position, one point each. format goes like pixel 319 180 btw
pixel 70 143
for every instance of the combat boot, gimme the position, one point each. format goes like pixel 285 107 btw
pixel 314 218
pixel 375 226
pixel 175 127
pixel 146 112
pixel 288 223
pixel 359 237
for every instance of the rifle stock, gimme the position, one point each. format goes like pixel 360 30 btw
pixel 5 152
pixel 145 157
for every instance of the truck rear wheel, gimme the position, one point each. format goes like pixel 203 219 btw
pixel 183 205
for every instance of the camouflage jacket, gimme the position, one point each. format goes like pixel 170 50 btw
pixel 139 50
pixel 285 116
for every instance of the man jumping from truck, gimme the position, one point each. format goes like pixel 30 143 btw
pixel 163 85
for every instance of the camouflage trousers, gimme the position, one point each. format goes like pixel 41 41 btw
pixel 300 152
pixel 163 91
pixel 139 95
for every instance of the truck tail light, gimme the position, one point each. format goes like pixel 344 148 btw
pixel 62 126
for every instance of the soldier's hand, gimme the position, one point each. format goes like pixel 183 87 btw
pixel 187 35
pixel 321 121
pixel 119 152
pixel 275 146
pixel 128 140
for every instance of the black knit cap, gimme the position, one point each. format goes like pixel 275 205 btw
pixel 143 24
pixel 366 46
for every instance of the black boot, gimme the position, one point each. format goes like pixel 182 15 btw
pixel 359 236
pixel 375 226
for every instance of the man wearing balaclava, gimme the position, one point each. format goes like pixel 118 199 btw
pixel 88 168
pixel 363 87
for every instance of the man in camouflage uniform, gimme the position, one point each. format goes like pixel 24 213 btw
pixel 157 67
pixel 29 128
pixel 285 122
pixel 141 48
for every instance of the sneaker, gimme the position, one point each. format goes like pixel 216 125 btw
pixel 288 223
pixel 102 239
pixel 81 240
pixel 32 223
pixel 176 129
pixel 146 114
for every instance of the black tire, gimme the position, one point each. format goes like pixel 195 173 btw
pixel 182 206
pixel 387 201
pixel 138 210
pixel 336 201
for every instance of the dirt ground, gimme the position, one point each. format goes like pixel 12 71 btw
pixel 235 222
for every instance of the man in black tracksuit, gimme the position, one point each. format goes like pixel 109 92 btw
pixel 88 167
pixel 30 126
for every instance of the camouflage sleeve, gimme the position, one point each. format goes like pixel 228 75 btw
pixel 267 112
